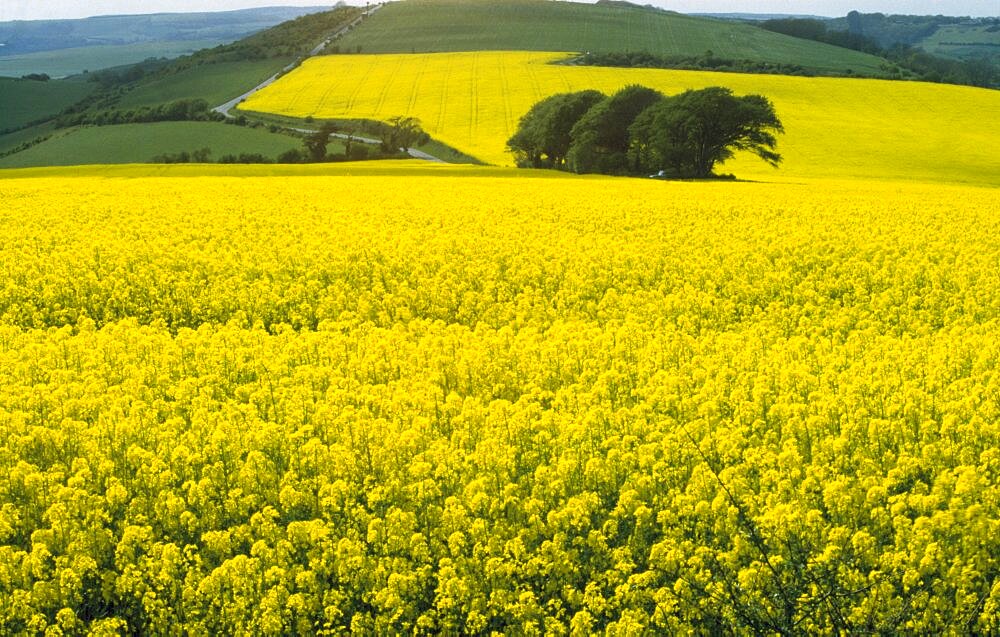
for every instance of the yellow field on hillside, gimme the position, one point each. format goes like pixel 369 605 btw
pixel 391 398
pixel 835 127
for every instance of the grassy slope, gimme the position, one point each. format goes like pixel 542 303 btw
pixel 219 74
pixel 13 140
pixel 472 25
pixel 835 127
pixel 962 41
pixel 137 143
pixel 212 75
pixel 433 147
pixel 65 62
pixel 965 34
pixel 24 101
pixel 215 83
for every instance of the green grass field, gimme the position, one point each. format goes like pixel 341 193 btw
pixel 138 143
pixel 25 101
pixel 66 62
pixel 214 83
pixel 473 25
pixel 11 141
pixel 963 42
pixel 432 147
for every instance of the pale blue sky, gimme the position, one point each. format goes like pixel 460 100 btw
pixel 41 9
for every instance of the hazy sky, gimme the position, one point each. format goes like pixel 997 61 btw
pixel 41 9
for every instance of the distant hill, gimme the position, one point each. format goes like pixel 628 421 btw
pixel 965 41
pixel 32 36
pixel 65 47
pixel 541 25
pixel 954 37
pixel 755 17
pixel 38 118
pixel 223 72
pixel 25 101
pixel 931 48
pixel 139 143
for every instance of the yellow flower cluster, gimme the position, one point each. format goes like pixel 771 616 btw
pixel 835 127
pixel 473 402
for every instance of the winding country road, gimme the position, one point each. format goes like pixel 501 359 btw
pixel 227 108
pixel 416 154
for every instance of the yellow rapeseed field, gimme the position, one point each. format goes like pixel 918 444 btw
pixel 835 127
pixel 389 398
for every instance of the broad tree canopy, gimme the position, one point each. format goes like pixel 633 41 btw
pixel 688 134
pixel 543 136
pixel 639 131
pixel 601 137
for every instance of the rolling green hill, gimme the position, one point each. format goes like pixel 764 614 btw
pixel 214 83
pixel 67 62
pixel 214 75
pixel 138 143
pixel 468 25
pixel 67 47
pixel 965 41
pixel 221 73
pixel 26 101
pixel 947 36
pixel 12 141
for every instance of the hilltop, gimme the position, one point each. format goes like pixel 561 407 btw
pixel 418 26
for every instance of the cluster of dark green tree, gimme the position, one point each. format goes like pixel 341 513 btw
pixel 196 110
pixel 639 131
pixel 24 145
pixel 395 138
pixel 204 156
pixel 707 61
pixel 200 156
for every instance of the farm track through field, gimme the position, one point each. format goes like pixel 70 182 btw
pixel 510 123
pixel 474 97
pixel 387 85
pixel 359 83
pixel 414 87
pixel 443 101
